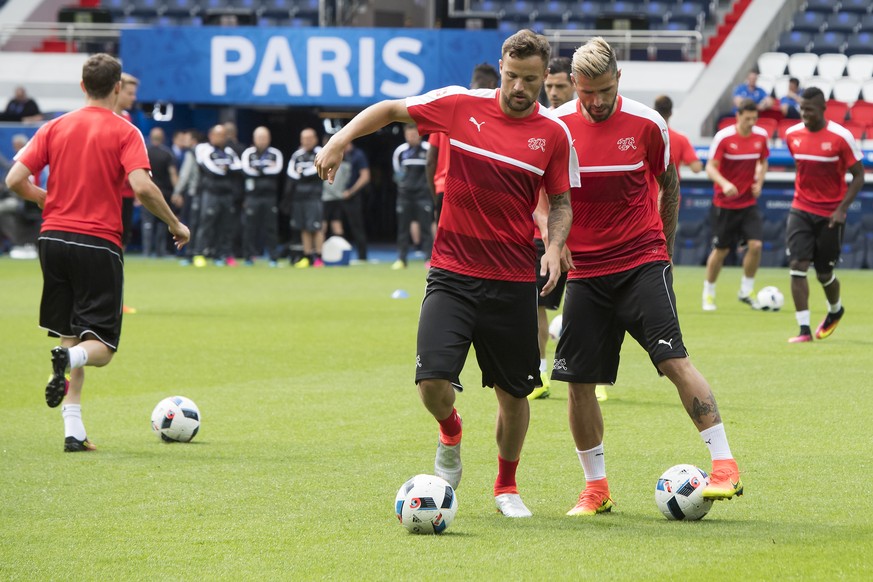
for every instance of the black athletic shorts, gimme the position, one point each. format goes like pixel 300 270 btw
pixel 552 300
pixel 499 318
pixel 734 225
pixel 83 283
pixel 811 239
pixel 597 313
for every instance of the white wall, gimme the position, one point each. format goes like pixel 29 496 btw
pixel 52 79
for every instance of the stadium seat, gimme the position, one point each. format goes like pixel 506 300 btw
pixel 658 12
pixel 147 9
pixel 780 87
pixel 823 6
pixel 866 23
pixel 768 124
pixel 180 7
pixel 826 85
pixel 846 90
pixel 772 63
pixel 809 22
pixel 489 6
pixel 855 6
pixel 794 41
pixel 862 112
pixel 867 90
pixel 783 125
pixel 843 22
pixel 802 65
pixel 828 42
pixel 832 65
pixel 553 11
pixel 766 82
pixel 726 121
pixel 692 243
pixel 836 111
pixel 860 67
pixel 520 11
pixel 859 44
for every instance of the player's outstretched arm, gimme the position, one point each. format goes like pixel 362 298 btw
pixel 668 205
pixel 369 120
pixel 151 197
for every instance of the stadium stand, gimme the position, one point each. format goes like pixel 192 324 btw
pixel 847 90
pixel 802 64
pixel 832 65
pixel 772 64
pixel 860 67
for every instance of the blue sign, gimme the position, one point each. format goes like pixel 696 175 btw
pixel 326 67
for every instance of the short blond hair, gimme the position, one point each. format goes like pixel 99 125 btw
pixel 594 58
pixel 128 79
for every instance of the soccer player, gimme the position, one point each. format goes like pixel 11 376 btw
pixel 823 152
pixel 90 151
pixel 481 288
pixel 559 90
pixel 125 102
pixel 737 165
pixel 681 150
pixel 624 224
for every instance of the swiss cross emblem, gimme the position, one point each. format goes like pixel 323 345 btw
pixel 826 146
pixel 626 143
pixel 537 143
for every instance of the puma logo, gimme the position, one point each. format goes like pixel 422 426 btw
pixel 476 123
pixel 668 343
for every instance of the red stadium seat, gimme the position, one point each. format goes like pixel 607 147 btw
pixel 856 128
pixel 783 126
pixel 768 124
pixel 862 112
pixel 726 122
pixel 836 111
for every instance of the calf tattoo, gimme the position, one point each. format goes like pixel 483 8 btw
pixel 700 409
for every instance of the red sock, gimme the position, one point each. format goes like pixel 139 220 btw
pixel 450 429
pixel 505 482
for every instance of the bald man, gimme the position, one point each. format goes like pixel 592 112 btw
pixel 306 208
pixel 262 166
pixel 218 163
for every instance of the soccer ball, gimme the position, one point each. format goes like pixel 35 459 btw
pixel 426 504
pixel 556 327
pixel 770 299
pixel 176 419
pixel 679 493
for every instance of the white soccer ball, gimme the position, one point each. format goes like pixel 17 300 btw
pixel 771 299
pixel 679 493
pixel 556 327
pixel 426 504
pixel 176 419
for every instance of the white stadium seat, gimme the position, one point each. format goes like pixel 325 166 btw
pixel 780 87
pixel 847 90
pixel 867 90
pixel 832 65
pixel 766 82
pixel 802 65
pixel 826 85
pixel 860 67
pixel 772 64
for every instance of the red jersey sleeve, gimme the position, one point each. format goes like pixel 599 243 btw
pixel 34 155
pixel 658 151
pixel 433 112
pixel 686 153
pixel 850 152
pixel 133 152
pixel 563 166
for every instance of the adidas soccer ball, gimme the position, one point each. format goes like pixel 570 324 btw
pixel 556 327
pixel 426 504
pixel 679 493
pixel 176 419
pixel 770 299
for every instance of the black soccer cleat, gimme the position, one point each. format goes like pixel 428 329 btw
pixel 74 445
pixel 57 385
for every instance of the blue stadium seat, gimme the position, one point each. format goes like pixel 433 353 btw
pixel 867 23
pixel 794 41
pixel 809 21
pixel 843 22
pixel 553 11
pixel 180 7
pixel 305 8
pixel 147 9
pixel 828 42
pixel 855 6
pixel 658 12
pixel 520 11
pixel 117 8
pixel 625 8
pixel 859 44
pixel 276 9
pixel 574 23
pixel 823 6
pixel 486 6
pixel 692 243
pixel 691 9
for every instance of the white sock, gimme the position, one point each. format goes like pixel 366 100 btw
pixel 835 307
pixel 73 425
pixel 716 439
pixel 78 356
pixel 802 317
pixel 747 286
pixel 593 463
pixel 709 288
pixel 543 365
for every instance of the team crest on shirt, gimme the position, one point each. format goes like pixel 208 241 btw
pixel 537 143
pixel 827 146
pixel 626 143
pixel 733 146
pixel 795 143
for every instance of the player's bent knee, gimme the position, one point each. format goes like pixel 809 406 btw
pixel 826 279
pixel 755 245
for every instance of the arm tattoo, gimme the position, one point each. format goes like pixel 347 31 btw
pixel 701 409
pixel 668 205
pixel 560 218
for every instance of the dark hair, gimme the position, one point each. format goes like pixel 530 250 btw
pixel 794 80
pixel 560 65
pixel 525 44
pixel 812 93
pixel 664 106
pixel 100 74
pixel 747 105
pixel 485 76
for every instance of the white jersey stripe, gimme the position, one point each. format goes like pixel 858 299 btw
pixel 628 168
pixel 742 156
pixel 496 156
pixel 829 159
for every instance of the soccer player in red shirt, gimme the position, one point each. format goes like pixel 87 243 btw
pixel 481 289
pixel 91 151
pixel 624 224
pixel 681 150
pixel 737 165
pixel 823 152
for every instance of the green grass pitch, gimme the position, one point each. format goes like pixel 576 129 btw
pixel 311 422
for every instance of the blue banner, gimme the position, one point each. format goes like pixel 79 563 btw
pixel 325 67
